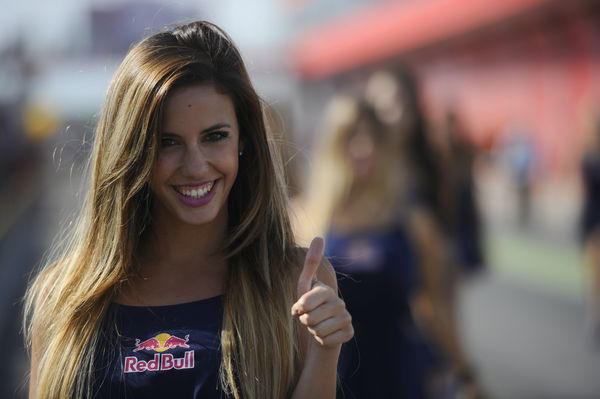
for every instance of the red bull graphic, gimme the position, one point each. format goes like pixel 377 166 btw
pixel 149 344
pixel 174 342
pixel 165 361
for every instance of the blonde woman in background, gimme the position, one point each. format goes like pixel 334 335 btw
pixel 384 245
pixel 182 278
pixel 353 198
pixel 428 191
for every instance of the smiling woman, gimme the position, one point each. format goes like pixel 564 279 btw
pixel 198 157
pixel 182 277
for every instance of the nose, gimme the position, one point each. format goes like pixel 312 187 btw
pixel 195 163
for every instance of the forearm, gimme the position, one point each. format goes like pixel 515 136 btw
pixel 439 312
pixel 319 375
pixel 448 337
pixel 326 325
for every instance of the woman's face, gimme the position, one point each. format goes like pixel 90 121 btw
pixel 386 96
pixel 362 150
pixel 198 156
pixel 390 100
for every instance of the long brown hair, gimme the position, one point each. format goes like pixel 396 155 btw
pixel 67 303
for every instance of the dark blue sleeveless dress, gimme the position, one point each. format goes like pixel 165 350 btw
pixel 590 215
pixel 161 351
pixel 388 358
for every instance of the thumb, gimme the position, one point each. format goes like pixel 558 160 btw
pixel 311 264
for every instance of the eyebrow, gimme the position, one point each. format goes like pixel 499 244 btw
pixel 216 126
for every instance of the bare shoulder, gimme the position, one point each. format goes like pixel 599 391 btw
pixel 325 273
pixel 422 224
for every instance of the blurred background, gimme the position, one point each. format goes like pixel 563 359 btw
pixel 521 76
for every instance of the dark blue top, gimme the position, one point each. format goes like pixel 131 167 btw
pixel 377 276
pixel 161 351
pixel 590 217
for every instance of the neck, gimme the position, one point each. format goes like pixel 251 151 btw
pixel 175 245
pixel 370 203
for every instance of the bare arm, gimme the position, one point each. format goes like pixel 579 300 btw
pixel 433 302
pixel 326 326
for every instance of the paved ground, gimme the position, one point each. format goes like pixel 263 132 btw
pixel 529 342
pixel 524 323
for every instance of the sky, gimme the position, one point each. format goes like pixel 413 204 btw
pixel 56 24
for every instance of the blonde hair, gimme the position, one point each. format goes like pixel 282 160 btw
pixel 331 178
pixel 66 305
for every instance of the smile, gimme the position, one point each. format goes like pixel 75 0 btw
pixel 195 192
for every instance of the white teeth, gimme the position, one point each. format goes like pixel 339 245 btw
pixel 197 192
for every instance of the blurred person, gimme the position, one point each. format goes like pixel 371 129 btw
pixel 518 152
pixel 352 197
pixel 16 71
pixel 394 94
pixel 590 223
pixel 465 230
pixel 182 277
pixel 384 250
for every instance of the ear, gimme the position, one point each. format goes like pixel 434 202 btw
pixel 241 144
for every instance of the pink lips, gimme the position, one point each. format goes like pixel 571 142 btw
pixel 197 202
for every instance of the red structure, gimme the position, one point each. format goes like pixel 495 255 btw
pixel 528 63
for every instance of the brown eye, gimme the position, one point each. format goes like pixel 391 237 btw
pixel 167 142
pixel 216 136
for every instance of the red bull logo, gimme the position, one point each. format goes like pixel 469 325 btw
pixel 161 343
pixel 165 361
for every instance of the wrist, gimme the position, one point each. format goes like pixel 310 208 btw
pixel 318 349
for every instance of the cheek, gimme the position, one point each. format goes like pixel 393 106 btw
pixel 232 158
pixel 154 181
pixel 234 166
pixel 230 167
pixel 160 172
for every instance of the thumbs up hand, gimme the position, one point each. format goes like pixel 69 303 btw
pixel 318 306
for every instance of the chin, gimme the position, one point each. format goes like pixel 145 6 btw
pixel 199 220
